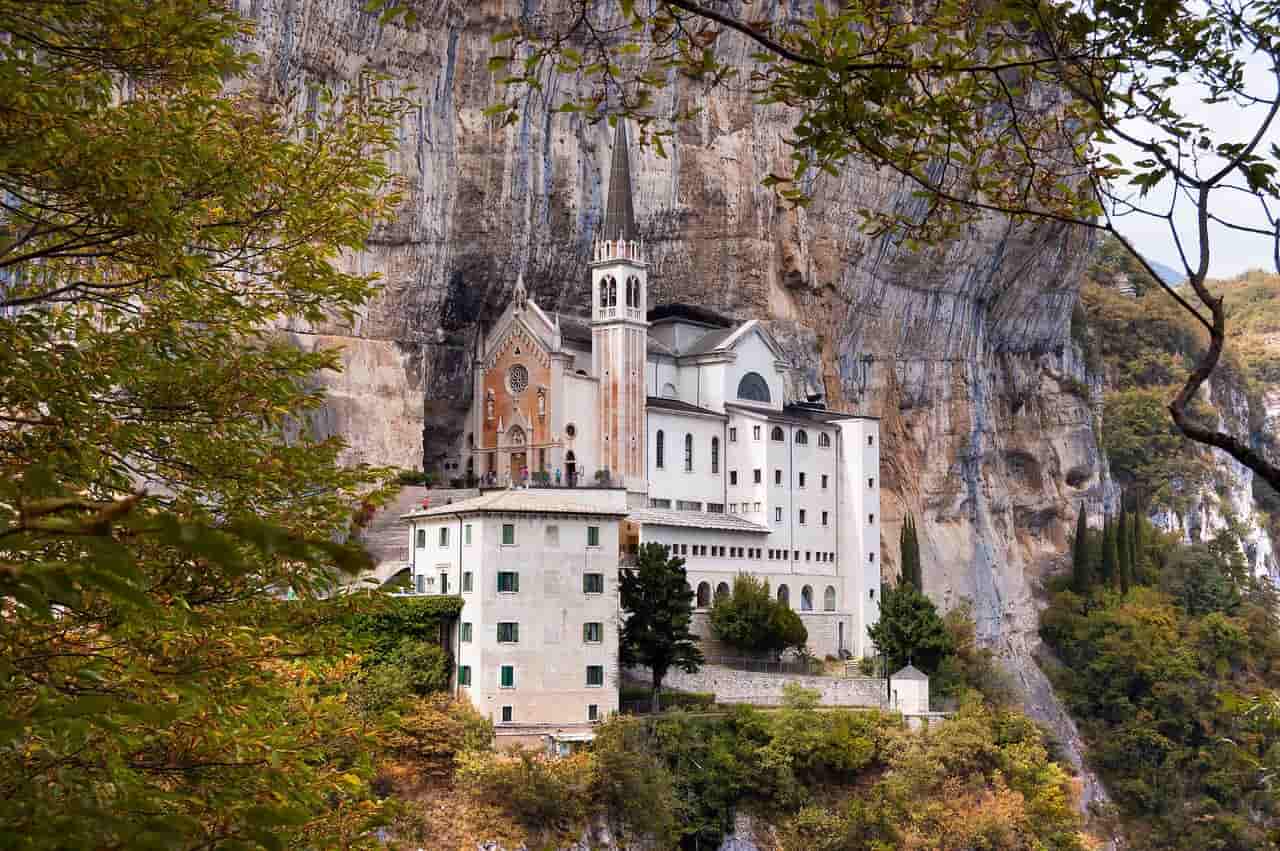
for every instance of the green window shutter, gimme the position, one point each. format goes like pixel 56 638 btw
pixel 464 675
pixel 593 536
pixel 508 676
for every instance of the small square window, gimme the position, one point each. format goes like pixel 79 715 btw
pixel 871 441
pixel 464 632
pixel 595 675
pixel 733 508
pixel 871 482
pixel 593 712
pixel 508 632
pixel 733 435
pixel 777 514
pixel 422 538
pixel 733 477
pixel 824 481
pixel 507 677
pixel 871 556
pixel 466 580
pixel 593 536
pixel 777 477
pixel 552 536
pixel 802 516
pixel 508 534
pixel 802 480
pixel 797 557
pixel 444 536
pixel 508 582
pixel 756 476
pixel 593 583
pixel 507 715
pixel 466 534
pixel 825 518
pixel 756 508
pixel 593 633
pixel 464 675
pixel 807 553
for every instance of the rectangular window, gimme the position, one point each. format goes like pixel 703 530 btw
pixel 507 715
pixel 824 481
pixel 777 477
pixel 444 583
pixel 659 503
pixel 593 712
pixel 420 581
pixel 464 675
pixel 733 477
pixel 552 536
pixel 806 554
pixel 688 505
pixel 444 536
pixel 507 678
pixel 595 675
pixel 755 432
pixel 777 515
pixel 466 534
pixel 593 583
pixel 466 581
pixel 824 518
pixel 593 536
pixel 756 476
pixel 684 549
pixel 871 556
pixel 508 582
pixel 422 538
pixel 756 508
pixel 871 483
pixel 464 632
pixel 593 633
pixel 715 508
pixel 508 632
pixel 871 518
pixel 733 508
pixel 733 434
pixel 802 480
pixel 871 441
pixel 802 516
pixel 508 534
pixel 797 556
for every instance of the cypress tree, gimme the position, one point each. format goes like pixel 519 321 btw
pixel 1081 562
pixel 917 569
pixel 904 546
pixel 1135 544
pixel 1108 552
pixel 1124 554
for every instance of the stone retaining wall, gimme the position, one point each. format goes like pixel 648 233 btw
pixel 732 686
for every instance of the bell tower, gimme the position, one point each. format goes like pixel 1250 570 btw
pixel 619 330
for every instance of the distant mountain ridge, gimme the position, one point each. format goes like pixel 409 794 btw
pixel 1168 274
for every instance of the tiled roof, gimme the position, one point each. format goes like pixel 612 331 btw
pixel 578 329
pixel 797 415
pixel 516 501
pixel 911 672
pixel 695 520
pixel 665 404
pixel 709 342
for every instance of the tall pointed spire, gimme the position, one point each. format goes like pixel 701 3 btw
pixel 619 216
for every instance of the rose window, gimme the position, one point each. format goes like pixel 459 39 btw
pixel 518 379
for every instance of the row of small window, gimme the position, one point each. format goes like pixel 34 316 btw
pixel 778 435
pixel 508 582
pixel 716 551
pixel 704 598
pixel 509 713
pixel 507 677
pixel 509 632
pixel 508 536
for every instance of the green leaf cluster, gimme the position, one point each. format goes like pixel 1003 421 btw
pixel 658 606
pixel 750 619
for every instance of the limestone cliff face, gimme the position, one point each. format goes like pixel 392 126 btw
pixel 962 349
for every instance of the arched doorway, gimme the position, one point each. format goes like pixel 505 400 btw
pixel 519 458
pixel 570 468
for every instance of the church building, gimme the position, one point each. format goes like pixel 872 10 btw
pixel 657 423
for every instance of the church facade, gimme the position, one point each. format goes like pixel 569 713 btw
pixel 685 424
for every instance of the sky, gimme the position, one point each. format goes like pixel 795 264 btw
pixel 1231 252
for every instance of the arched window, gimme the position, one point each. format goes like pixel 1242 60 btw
pixel 777 434
pixel 802 438
pixel 824 441
pixel 688 453
pixel 704 595
pixel 806 599
pixel 829 599
pixel 784 594
pixel 659 450
pixel 753 387
pixel 722 590
pixel 633 291
pixel 515 436
pixel 570 468
pixel 715 456
pixel 669 391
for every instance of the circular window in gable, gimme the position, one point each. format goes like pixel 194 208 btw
pixel 517 379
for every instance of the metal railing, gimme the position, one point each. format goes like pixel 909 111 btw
pixel 808 666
